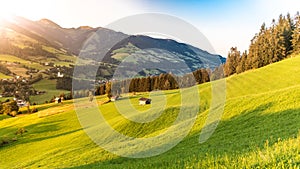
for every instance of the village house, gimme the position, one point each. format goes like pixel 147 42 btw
pixel 58 99
pixel 20 102
pixel 114 98
pixel 143 101
pixel 60 74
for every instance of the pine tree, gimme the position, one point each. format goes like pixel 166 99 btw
pixel 242 64
pixel 280 40
pixel 218 73
pixel 108 89
pixel 147 84
pixel 232 61
pixel 156 83
pixel 204 76
pixel 198 76
pixel 288 34
pixel 296 35
pixel 161 81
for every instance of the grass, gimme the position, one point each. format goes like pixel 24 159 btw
pixel 35 65
pixel 50 87
pixel 120 56
pixel 18 70
pixel 67 57
pixel 3 76
pixel 2 99
pixel 2 117
pixel 50 49
pixel 122 53
pixel 62 57
pixel 259 128
pixel 10 58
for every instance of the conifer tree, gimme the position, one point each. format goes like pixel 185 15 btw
pixel 108 89
pixel 242 64
pixel 232 61
pixel 296 35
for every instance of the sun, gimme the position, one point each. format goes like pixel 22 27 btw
pixel 23 8
pixel 5 12
pixel 30 9
pixel 6 17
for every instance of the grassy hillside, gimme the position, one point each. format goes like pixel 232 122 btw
pixel 3 76
pixel 50 87
pixel 259 129
pixel 10 58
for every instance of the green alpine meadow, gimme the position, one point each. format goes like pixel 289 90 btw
pixel 259 129
pixel 142 84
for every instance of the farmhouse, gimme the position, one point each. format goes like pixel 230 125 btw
pixel 114 98
pixel 60 74
pixel 143 101
pixel 58 99
pixel 21 103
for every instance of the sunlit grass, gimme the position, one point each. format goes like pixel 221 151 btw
pixel 10 58
pixel 50 87
pixel 259 128
pixel 3 76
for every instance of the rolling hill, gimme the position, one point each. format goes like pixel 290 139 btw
pixel 32 48
pixel 259 128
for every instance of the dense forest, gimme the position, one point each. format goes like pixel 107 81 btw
pixel 270 45
pixel 165 81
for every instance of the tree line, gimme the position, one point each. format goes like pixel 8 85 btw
pixel 166 81
pixel 270 45
pixel 4 69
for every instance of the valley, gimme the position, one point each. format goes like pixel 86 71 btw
pixel 261 117
pixel 93 97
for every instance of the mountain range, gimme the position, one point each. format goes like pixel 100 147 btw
pixel 48 41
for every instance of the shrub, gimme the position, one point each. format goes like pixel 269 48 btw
pixel 69 96
pixel 21 131
pixel 13 113
pixel 7 140
pixel 34 110
pixel 10 107
pixel 1 108
pixel 4 141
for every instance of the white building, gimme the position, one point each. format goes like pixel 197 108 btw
pixel 60 74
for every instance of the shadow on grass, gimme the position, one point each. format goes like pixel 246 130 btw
pixel 2 117
pixel 41 130
pixel 38 132
pixel 50 137
pixel 238 135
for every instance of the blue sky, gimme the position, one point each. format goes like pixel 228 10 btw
pixel 225 23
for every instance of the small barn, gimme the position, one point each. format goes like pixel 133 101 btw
pixel 114 98
pixel 21 103
pixel 143 101
pixel 60 74
pixel 57 100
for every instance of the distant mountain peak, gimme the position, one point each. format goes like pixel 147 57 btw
pixel 48 23
pixel 85 27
